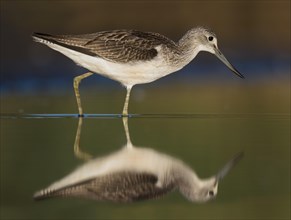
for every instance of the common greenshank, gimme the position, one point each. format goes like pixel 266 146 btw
pixel 133 174
pixel 132 57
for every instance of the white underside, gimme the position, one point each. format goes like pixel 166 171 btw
pixel 128 159
pixel 128 74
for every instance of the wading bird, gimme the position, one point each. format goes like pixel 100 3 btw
pixel 134 174
pixel 132 57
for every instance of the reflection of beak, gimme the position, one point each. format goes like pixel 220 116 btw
pixel 227 167
pixel 225 61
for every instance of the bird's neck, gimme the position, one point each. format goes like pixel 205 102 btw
pixel 190 185
pixel 188 48
pixel 187 181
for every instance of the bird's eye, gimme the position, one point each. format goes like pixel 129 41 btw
pixel 210 38
pixel 211 193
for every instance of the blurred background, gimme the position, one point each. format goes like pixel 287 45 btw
pixel 253 35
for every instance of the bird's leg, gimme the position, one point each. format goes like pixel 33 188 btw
pixel 77 81
pixel 125 106
pixel 77 150
pixel 125 125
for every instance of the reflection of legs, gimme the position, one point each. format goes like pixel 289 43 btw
pixel 77 81
pixel 77 150
pixel 125 125
pixel 125 106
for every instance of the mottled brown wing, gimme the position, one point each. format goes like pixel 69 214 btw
pixel 117 187
pixel 125 46
pixel 116 46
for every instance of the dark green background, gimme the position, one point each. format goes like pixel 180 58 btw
pixel 254 35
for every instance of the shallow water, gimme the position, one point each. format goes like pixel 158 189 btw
pixel 37 149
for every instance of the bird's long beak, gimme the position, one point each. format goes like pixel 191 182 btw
pixel 220 56
pixel 228 166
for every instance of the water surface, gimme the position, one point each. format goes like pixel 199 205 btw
pixel 37 149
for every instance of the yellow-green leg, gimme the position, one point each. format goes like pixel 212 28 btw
pixel 77 150
pixel 125 126
pixel 77 81
pixel 125 106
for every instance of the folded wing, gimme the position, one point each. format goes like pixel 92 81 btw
pixel 116 46
pixel 117 187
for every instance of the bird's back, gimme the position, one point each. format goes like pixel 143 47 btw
pixel 115 46
pixel 116 187
pixel 123 176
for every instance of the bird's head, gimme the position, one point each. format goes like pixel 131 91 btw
pixel 207 189
pixel 206 40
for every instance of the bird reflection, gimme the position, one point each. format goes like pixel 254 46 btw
pixel 134 174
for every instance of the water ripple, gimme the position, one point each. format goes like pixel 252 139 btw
pixel 112 116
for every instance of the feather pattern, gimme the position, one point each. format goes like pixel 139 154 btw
pixel 117 187
pixel 116 46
